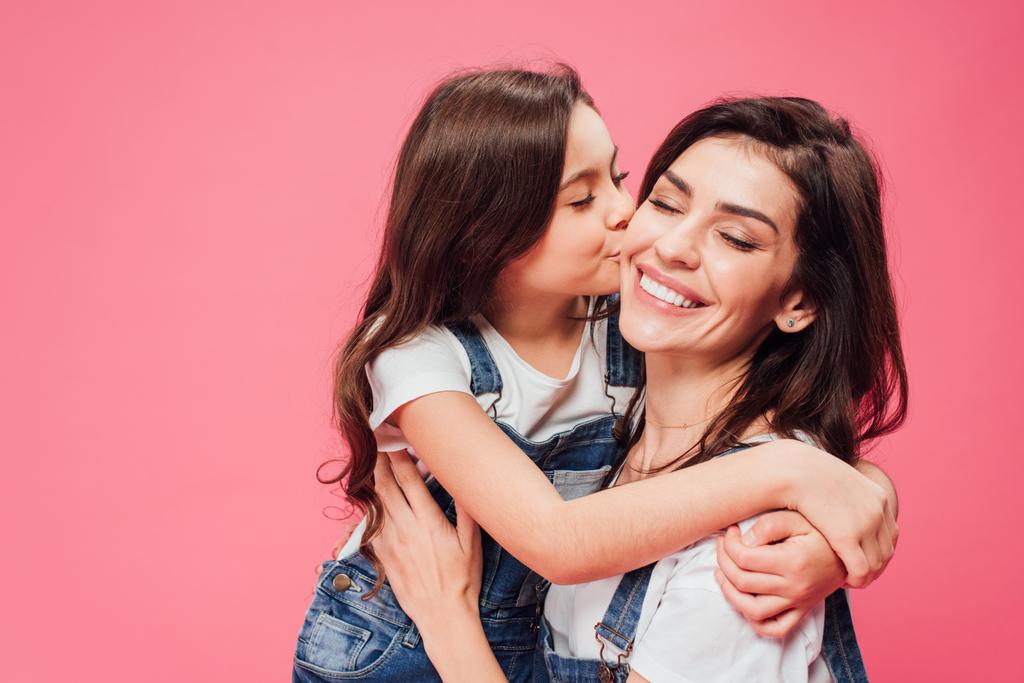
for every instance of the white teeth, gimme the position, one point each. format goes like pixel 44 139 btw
pixel 667 295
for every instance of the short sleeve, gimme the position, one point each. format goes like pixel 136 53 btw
pixel 430 362
pixel 695 635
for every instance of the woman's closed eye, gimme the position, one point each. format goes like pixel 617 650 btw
pixel 738 243
pixel 664 206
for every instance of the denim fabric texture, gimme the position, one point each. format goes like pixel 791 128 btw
pixel 344 637
pixel 618 628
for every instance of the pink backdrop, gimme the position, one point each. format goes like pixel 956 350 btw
pixel 191 198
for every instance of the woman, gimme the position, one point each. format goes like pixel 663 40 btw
pixel 754 278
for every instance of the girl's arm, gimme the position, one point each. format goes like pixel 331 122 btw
pixel 581 540
pixel 783 567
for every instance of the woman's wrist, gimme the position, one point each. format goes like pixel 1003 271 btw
pixel 458 648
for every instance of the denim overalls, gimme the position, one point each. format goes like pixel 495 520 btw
pixel 618 628
pixel 346 637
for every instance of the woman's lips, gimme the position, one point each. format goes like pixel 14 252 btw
pixel 670 283
pixel 662 307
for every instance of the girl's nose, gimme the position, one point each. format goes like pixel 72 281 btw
pixel 618 217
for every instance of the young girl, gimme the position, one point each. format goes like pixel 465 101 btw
pixel 483 338
pixel 764 216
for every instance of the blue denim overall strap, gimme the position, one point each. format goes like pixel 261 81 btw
pixel 624 362
pixel 839 646
pixel 617 628
pixel 484 375
pixel 839 649
pixel 345 637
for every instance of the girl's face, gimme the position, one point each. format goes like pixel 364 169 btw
pixel 708 256
pixel 579 252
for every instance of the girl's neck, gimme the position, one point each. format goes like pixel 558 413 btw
pixel 527 316
pixel 543 328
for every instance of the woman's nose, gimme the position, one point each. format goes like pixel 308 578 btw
pixel 679 246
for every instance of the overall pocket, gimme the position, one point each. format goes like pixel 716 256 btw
pixel 572 484
pixel 344 636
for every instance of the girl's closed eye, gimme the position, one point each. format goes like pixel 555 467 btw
pixel 619 177
pixel 583 203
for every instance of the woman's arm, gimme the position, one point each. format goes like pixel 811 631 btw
pixel 782 567
pixel 581 540
pixel 434 570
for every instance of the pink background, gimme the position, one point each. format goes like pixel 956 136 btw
pixel 191 196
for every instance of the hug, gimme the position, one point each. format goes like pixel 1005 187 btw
pixel 604 439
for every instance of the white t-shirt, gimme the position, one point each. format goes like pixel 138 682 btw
pixel 687 632
pixel 535 405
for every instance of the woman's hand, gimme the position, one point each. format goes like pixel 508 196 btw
pixel 335 549
pixel 778 571
pixel 850 510
pixel 435 571
pixel 434 568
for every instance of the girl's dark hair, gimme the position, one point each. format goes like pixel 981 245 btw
pixel 474 189
pixel 842 379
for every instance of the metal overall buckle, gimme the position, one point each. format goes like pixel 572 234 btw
pixel 606 671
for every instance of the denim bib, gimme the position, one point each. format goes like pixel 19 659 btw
pixel 619 624
pixel 345 637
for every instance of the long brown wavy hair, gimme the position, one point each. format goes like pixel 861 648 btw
pixel 842 379
pixel 474 189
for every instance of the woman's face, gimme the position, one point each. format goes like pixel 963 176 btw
pixel 708 255
pixel 579 252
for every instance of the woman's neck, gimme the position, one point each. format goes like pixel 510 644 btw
pixel 683 396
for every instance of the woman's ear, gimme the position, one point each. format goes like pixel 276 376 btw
pixel 797 312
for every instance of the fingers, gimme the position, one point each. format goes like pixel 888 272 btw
pixel 753 607
pixel 395 504
pixel 767 559
pixel 776 526
pixel 411 482
pixel 748 582
pixel 780 625
pixel 856 562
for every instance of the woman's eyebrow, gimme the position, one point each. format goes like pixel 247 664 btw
pixel 679 183
pixel 738 210
pixel 724 207
pixel 588 172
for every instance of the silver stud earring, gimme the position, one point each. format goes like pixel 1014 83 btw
pixel 790 323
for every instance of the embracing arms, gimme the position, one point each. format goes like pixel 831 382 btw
pixel 582 540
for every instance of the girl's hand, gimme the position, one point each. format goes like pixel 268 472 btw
pixel 850 510
pixel 434 568
pixel 778 572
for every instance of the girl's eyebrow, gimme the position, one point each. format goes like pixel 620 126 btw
pixel 588 172
pixel 724 207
